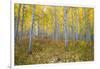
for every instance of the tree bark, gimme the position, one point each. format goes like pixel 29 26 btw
pixel 65 27
pixel 31 32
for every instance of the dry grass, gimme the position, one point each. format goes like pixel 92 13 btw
pixel 49 51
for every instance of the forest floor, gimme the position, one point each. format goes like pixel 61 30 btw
pixel 46 51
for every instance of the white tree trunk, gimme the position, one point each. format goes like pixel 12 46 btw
pixel 65 27
pixel 31 32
